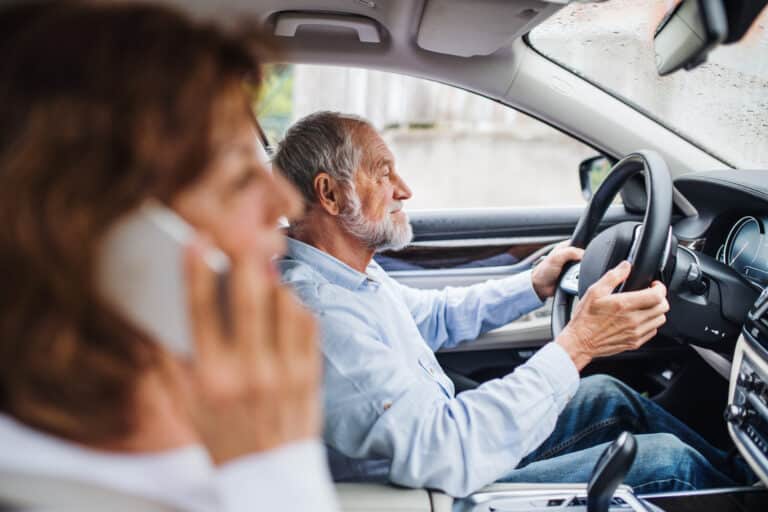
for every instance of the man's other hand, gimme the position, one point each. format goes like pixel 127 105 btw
pixel 606 323
pixel 546 273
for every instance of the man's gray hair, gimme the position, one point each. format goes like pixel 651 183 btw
pixel 320 142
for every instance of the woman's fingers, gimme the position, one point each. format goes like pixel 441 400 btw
pixel 288 325
pixel 201 300
pixel 253 312
pixel 297 338
pixel 259 387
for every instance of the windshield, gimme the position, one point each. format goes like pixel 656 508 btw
pixel 721 106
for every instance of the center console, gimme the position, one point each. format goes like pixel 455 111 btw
pixel 544 498
pixel 747 411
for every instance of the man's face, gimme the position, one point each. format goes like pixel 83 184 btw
pixel 374 211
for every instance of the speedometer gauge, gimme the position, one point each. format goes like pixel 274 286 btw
pixel 743 244
pixel 720 256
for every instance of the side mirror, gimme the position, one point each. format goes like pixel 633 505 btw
pixel 687 33
pixel 592 172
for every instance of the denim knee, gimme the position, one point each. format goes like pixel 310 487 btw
pixel 665 462
pixel 667 450
pixel 602 388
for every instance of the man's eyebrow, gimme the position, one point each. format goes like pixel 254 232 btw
pixel 384 161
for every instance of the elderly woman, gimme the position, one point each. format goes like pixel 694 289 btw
pixel 102 108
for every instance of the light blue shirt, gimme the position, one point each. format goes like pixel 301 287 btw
pixel 391 413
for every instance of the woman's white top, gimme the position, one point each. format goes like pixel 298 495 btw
pixel 291 477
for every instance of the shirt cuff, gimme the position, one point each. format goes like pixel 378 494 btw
pixel 291 477
pixel 526 298
pixel 554 363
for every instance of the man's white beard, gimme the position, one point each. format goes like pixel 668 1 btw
pixel 384 235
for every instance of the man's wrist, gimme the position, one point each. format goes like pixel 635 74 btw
pixel 574 348
pixel 537 288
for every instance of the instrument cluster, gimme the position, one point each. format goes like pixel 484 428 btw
pixel 746 249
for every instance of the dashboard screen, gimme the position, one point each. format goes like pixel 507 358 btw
pixel 746 249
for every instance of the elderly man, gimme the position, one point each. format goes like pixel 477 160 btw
pixel 391 414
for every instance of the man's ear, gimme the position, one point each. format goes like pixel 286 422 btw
pixel 328 193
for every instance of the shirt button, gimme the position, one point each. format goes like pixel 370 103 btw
pixel 386 405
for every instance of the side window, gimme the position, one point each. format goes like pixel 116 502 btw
pixel 455 149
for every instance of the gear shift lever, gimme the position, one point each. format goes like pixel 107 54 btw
pixel 610 470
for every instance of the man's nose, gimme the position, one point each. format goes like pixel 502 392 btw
pixel 402 191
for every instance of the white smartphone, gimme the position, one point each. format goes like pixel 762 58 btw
pixel 140 272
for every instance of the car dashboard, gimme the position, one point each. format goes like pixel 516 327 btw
pixel 731 223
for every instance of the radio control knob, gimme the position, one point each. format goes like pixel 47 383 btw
pixel 735 414
pixel 748 381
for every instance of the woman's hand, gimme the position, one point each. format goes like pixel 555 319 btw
pixel 256 387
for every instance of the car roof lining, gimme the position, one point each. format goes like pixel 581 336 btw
pixel 437 37
pixel 538 87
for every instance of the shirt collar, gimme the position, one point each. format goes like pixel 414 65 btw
pixel 333 269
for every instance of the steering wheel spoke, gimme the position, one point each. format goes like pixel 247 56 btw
pixel 569 283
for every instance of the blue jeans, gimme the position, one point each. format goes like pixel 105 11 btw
pixel 670 456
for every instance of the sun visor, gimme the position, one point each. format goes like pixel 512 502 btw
pixel 479 27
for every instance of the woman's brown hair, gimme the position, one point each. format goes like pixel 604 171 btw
pixel 101 107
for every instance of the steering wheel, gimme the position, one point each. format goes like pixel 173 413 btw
pixel 646 245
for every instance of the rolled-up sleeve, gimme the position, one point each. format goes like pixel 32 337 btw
pixel 451 315
pixel 292 477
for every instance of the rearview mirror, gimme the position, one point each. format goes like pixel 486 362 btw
pixel 687 33
pixel 592 172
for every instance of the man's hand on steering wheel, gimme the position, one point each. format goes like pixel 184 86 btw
pixel 606 323
pixel 546 274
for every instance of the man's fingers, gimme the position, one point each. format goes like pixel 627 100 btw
pixel 613 278
pixel 642 299
pixel 660 308
pixel 201 295
pixel 567 254
pixel 649 319
pixel 652 329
